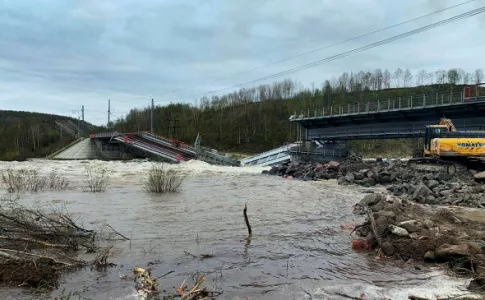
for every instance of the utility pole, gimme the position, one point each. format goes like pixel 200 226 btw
pixel 174 127
pixel 168 126
pixel 109 112
pixel 82 111
pixel 151 117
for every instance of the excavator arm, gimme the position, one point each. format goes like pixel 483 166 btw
pixel 447 123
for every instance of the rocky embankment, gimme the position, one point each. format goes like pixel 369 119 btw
pixel 405 230
pixel 464 189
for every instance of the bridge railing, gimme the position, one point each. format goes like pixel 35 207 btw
pixel 411 102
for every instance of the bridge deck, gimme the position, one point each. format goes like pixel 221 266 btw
pixel 396 118
pixel 271 157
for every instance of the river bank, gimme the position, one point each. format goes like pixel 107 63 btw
pixel 300 243
pixel 411 215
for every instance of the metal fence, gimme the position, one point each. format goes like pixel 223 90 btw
pixel 412 102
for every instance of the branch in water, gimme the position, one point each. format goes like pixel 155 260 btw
pixel 246 219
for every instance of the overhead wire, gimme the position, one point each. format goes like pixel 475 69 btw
pixel 244 71
pixel 330 45
pixel 347 53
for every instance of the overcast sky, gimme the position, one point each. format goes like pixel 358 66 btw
pixel 56 55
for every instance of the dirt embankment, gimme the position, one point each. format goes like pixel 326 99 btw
pixel 401 229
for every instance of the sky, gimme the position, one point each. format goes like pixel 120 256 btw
pixel 57 55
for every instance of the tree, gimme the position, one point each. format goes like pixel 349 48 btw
pixel 478 76
pixel 387 79
pixel 407 78
pixel 398 77
pixel 440 76
pixel 421 77
pixel 453 76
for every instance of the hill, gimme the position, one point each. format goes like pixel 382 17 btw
pixel 256 119
pixel 26 134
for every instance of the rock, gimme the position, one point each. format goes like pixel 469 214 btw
pixel 368 182
pixel 398 230
pixel 442 176
pixel 432 184
pixel 421 192
pixel 291 170
pixel 479 176
pixel 358 176
pixel 384 214
pixel 381 225
pixel 446 251
pixel 273 170
pixel 413 236
pixel 428 176
pixel 349 177
pixel 410 226
pixel 372 199
pixel 282 170
pixel 454 185
pixel 446 192
pixel 431 200
pixel 342 181
pixel 333 165
pixel 429 256
pixel 387 248
pixel 384 179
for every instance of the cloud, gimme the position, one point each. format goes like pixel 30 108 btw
pixel 68 53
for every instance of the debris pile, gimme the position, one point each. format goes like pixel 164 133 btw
pixel 306 171
pixel 36 246
pixel 406 230
pixel 466 188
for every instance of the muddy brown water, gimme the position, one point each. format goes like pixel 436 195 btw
pixel 297 247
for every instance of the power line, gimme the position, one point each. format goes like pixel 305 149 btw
pixel 242 72
pixel 329 46
pixel 347 53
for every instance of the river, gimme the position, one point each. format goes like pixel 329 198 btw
pixel 297 247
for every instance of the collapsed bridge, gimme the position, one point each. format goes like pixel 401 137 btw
pixel 121 146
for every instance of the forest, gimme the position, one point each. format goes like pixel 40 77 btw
pixel 27 135
pixel 255 119
pixel 249 120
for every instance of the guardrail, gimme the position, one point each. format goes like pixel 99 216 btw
pixel 402 103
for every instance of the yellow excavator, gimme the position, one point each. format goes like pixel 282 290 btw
pixel 447 149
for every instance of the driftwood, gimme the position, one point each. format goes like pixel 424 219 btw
pixel 246 219
pixel 25 229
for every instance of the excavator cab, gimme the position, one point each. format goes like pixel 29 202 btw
pixel 432 132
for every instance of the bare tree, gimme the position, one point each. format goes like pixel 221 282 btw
pixel 478 76
pixel 387 79
pixel 407 78
pixel 440 76
pixel 421 77
pixel 398 77
pixel 461 74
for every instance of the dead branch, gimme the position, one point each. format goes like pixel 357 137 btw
pixel 41 243
pixel 117 232
pixel 246 219
pixel 101 260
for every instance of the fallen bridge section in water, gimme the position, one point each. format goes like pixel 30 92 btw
pixel 122 146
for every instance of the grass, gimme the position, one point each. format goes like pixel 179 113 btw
pixel 25 180
pixel 96 177
pixel 161 179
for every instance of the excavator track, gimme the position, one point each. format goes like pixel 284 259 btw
pixel 435 165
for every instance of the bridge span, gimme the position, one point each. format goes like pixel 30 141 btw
pixel 119 146
pixel 393 118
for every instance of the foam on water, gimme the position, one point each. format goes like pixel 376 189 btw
pixel 122 169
